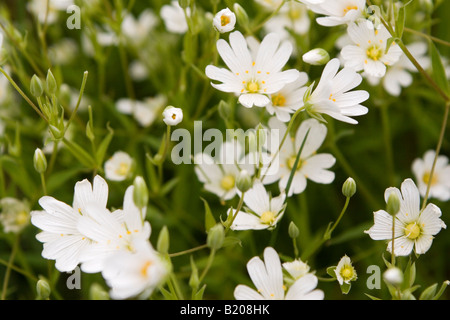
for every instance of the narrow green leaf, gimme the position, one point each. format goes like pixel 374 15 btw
pixel 400 22
pixel 79 153
pixel 439 75
pixel 199 294
pixel 103 147
pixel 429 292
pixel 297 160
pixel 209 218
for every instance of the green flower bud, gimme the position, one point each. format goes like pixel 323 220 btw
pixel 216 237
pixel 36 88
pixel 43 290
pixel 52 86
pixel 39 161
pixel 96 292
pixel 293 230
pixel 393 204
pixel 183 3
pixel 241 15
pixel 349 188
pixel 163 241
pixel 316 57
pixel 244 181
pixel 140 194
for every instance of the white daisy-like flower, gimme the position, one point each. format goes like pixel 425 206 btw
pixel 339 12
pixel 172 116
pixel 14 214
pixel 62 240
pixel 262 211
pixel 414 228
pixel 368 51
pixel 345 272
pixel 111 232
pixel 267 276
pixel 137 30
pixel 440 182
pixel 135 273
pixel 333 97
pixel 175 18
pixel 289 99
pixel 119 167
pixel 39 9
pixel 252 77
pixel 219 175
pixel 224 21
pixel 311 166
pixel 145 111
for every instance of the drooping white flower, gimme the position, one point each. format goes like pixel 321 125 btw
pixel 333 97
pixel 172 116
pixel 135 273
pixel 252 77
pixel 224 21
pixel 297 268
pixel 111 232
pixel 289 99
pixel 267 276
pixel 414 228
pixel 338 12
pixel 119 167
pixel 144 111
pixel 62 240
pixel 219 175
pixel 39 9
pixel 137 30
pixel 311 166
pixel 262 211
pixel 368 51
pixel 345 272
pixel 174 17
pixel 440 182
pixel 14 214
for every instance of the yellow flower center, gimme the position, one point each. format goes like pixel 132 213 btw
pixel 294 14
pixel 426 178
pixel 374 53
pixel 348 8
pixel 253 87
pixel 291 163
pixel 412 231
pixel 227 182
pixel 278 100
pixel 224 20
pixel 347 273
pixel 268 217
pixel 144 269
pixel 22 218
pixel 123 169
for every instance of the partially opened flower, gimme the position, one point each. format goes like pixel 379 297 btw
pixel 267 276
pixel 414 228
pixel 333 97
pixel 439 182
pixel 175 18
pixel 311 165
pixel 368 51
pixel 262 211
pixel 224 21
pixel 345 272
pixel 252 76
pixel 119 167
pixel 172 116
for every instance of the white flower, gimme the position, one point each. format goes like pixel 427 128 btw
pixel 267 277
pixel 289 99
pixel 345 272
pixel 270 4
pixel 138 273
pixel 110 232
pixel 14 214
pixel 144 112
pixel 174 17
pixel 138 70
pixel 62 240
pixel 440 182
pixel 332 96
pixel 311 166
pixel 137 30
pixel 316 57
pixel 219 175
pixel 39 9
pixel 339 12
pixel 296 268
pixel 262 212
pixel 252 77
pixel 119 167
pixel 393 276
pixel 172 116
pixel 224 21
pixel 414 228
pixel 368 51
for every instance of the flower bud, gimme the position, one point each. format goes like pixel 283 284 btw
pixel 183 3
pixel 163 241
pixel 316 57
pixel 52 86
pixel 293 230
pixel 244 181
pixel 43 290
pixel 216 237
pixel 349 188
pixel 224 21
pixel 36 87
pixel 393 276
pixel 172 116
pixel 241 15
pixel 140 193
pixel 39 161
pixel 393 204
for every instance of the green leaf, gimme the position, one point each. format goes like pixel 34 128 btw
pixel 231 241
pixel 429 292
pixel 79 153
pixel 400 22
pixel 297 160
pixel 372 297
pixel 209 218
pixel 438 74
pixel 166 188
pixel 331 272
pixel 345 288
pixel 103 147
pixel 199 294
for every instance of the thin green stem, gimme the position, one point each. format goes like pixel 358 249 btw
pixel 181 253
pixel 211 257
pixel 238 209
pixel 393 238
pixel 44 185
pixel 9 267
pixel 424 35
pixel 388 143
pixel 344 209
pixel 83 86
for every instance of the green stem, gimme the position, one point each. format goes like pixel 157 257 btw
pixel 238 209
pixel 422 34
pixel 9 267
pixel 181 253
pixel 83 86
pixel 44 186
pixel 208 265
pixel 388 144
